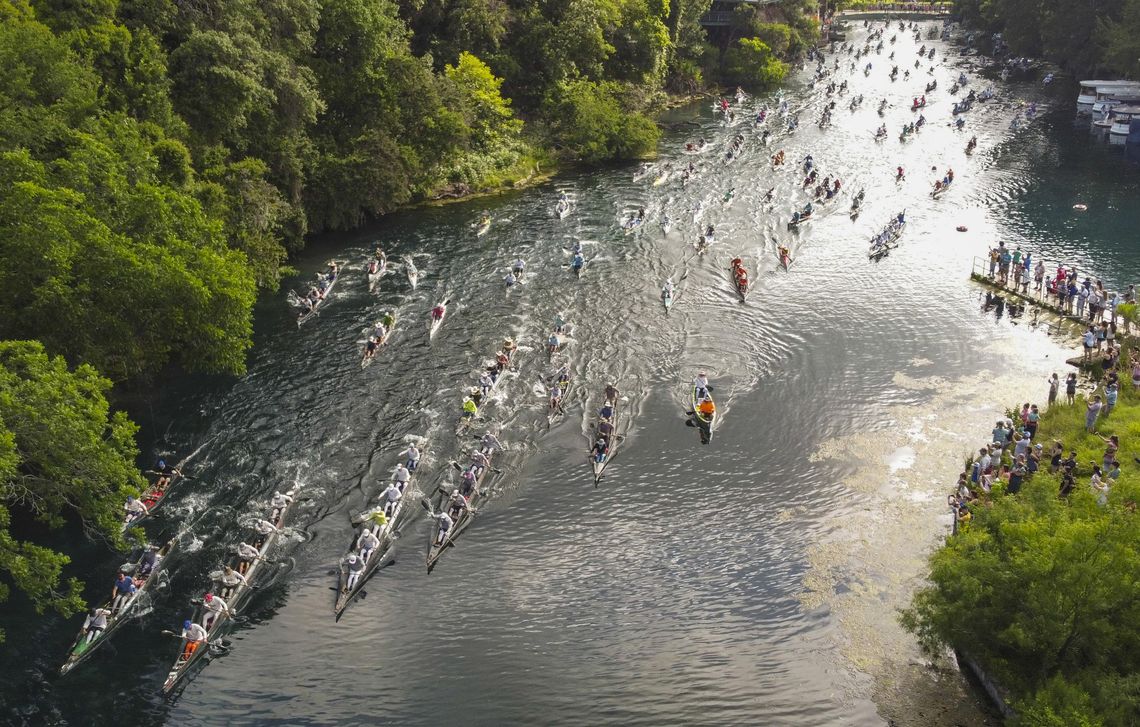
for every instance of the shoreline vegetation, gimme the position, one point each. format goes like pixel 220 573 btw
pixel 1035 584
pixel 160 162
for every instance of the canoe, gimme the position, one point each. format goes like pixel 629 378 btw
pixel 741 290
pixel 154 496
pixel 83 647
pixel 374 278
pixel 365 359
pixel 482 227
pixel 307 315
pixel 384 533
pixel 667 299
pixel 784 259
pixel 438 546
pixel 705 424
pixel 599 465
pixel 466 421
pixel 185 661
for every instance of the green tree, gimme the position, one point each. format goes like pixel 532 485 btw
pixel 63 456
pixel 750 63
pixel 487 114
pixel 589 121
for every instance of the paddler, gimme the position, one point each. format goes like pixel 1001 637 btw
pixel 470 409
pixel 701 385
pixel 467 481
pixel 391 495
pixel 510 278
pixel 600 448
pixel 95 623
pixel 479 462
pixel 519 267
pixel 280 501
pixel 402 476
pixel 437 312
pixel 444 522
pixel 412 457
pixel 370 347
pixel 366 543
pixel 485 382
pixel 611 393
pixel 122 591
pixel 247 554
pixel 264 528
pixel 706 408
pixel 212 608
pixel 553 343
pixel 165 473
pixel 458 504
pixel 134 509
pixel 491 443
pixel 388 320
pixel 556 396
pixel 607 411
pixel 195 636
pixel 230 580
pixel 667 288
pixel 355 567
pixel 578 262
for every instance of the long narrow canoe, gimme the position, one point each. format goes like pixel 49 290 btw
pixel 496 376
pixel 384 533
pixel 187 659
pixel 154 496
pixel 381 271
pixel 599 462
pixel 87 642
pixel 365 359
pixel 437 546
pixel 307 315
pixel 740 288
pixel 412 272
pixel 435 323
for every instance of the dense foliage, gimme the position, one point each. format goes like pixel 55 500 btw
pixel 1041 589
pixel 1087 37
pixel 160 159
pixel 64 457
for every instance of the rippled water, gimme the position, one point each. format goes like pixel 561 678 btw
pixel 675 592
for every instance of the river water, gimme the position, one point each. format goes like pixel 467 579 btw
pixel 750 581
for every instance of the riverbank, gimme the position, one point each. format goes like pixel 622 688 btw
pixel 1011 585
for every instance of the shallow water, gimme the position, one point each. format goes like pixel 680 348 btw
pixel 750 581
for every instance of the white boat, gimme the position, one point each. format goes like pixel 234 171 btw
pixel 1086 97
pixel 1109 96
pixel 1122 117
pixel 410 269
pixel 667 297
pixel 435 323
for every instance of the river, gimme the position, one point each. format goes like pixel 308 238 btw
pixel 750 581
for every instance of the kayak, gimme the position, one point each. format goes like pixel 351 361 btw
pixel 482 227
pixel 784 258
pixel 309 313
pixel 435 323
pixel 740 288
pixel 667 297
pixel 412 272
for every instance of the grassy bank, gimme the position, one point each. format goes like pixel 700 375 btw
pixel 1041 587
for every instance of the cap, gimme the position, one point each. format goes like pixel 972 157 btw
pixel 186 624
pixel 352 557
pixel 208 597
